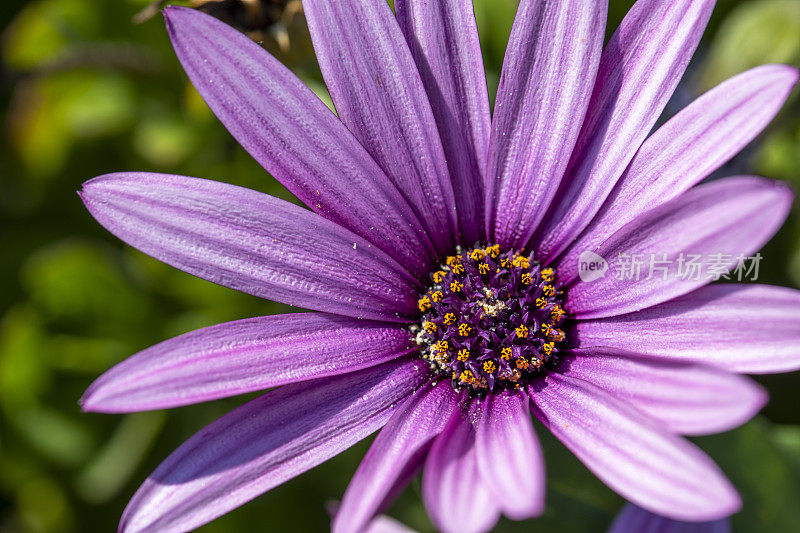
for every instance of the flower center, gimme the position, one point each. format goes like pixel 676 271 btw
pixel 490 320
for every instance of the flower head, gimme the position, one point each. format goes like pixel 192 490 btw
pixel 441 257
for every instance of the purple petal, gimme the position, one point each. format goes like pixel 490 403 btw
pixel 717 222
pixel 454 495
pixel 633 519
pixel 386 524
pixel 509 455
pixel 244 356
pixel 379 95
pixel 640 67
pixel 443 38
pixel 265 443
pixel 251 242
pixel 294 136
pixel 548 74
pixel 379 524
pixel 685 150
pixel 751 329
pixel 634 456
pixel 685 398
pixel 404 441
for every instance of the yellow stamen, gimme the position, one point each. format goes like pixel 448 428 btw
pixel 430 327
pixel 548 290
pixel 493 251
pixel 449 318
pixel 436 296
pixel 548 347
pixel 424 304
pixel 477 254
pixel 505 353
pixel 523 363
pixel 463 354
pixel 456 286
pixel 521 262
pixel 464 329
pixel 466 377
pixel 526 278
pixel 438 276
pixel 489 366
pixel 547 274
pixel 483 268
pixel 522 332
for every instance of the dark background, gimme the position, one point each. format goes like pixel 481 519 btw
pixel 85 91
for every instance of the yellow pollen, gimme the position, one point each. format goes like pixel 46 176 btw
pixel 523 363
pixel 489 366
pixel 456 286
pixel 477 254
pixel 424 303
pixel 526 278
pixel 463 354
pixel 464 329
pixel 466 377
pixel 556 313
pixel 505 353
pixel 449 318
pixel 521 262
pixel 442 346
pixel 436 296
pixel 438 277
pixel 522 332
pixel 483 268
pixel 458 268
pixel 546 329
pixel 430 327
pixel 541 302
pixel 505 262
pixel 548 290
pixel 452 260
pixel 548 347
pixel 493 251
pixel 547 274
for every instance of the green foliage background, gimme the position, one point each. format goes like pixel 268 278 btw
pixel 85 92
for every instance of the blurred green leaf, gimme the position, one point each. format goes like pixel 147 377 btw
pixel 754 33
pixel 84 355
pixel 43 507
pixel 23 374
pixel 43 29
pixel 763 474
pixel 779 155
pixel 55 435
pixel 51 113
pixel 114 464
pixel 165 140
pixel 75 280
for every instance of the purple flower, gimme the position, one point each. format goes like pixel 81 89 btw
pixel 441 254
pixel 634 519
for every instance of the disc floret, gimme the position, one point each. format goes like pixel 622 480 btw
pixel 490 320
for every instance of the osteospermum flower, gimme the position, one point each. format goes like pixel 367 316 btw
pixel 441 257
pixel 631 519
